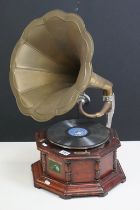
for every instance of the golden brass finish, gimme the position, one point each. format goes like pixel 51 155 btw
pixel 97 81
pixel 51 66
pixel 102 83
pixel 104 110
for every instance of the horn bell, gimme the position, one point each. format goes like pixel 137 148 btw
pixel 51 65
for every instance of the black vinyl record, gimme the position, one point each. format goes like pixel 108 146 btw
pixel 77 134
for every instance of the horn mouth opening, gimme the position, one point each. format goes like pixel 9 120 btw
pixel 51 65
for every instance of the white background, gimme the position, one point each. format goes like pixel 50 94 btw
pixel 18 193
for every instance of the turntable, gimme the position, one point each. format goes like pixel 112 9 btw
pixel 50 70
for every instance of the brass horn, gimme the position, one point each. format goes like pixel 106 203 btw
pixel 51 67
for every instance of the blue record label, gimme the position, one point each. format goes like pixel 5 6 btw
pixel 77 131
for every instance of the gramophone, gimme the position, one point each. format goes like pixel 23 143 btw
pixel 50 70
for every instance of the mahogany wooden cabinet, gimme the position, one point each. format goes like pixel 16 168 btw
pixel 71 173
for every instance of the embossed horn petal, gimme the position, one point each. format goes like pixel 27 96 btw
pixel 51 65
